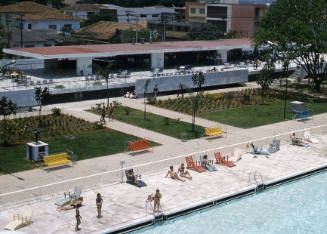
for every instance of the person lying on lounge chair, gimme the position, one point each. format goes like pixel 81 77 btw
pixel 173 174
pixel 297 141
pixel 132 177
pixel 183 172
pixel 257 150
pixel 207 164
pixel 72 205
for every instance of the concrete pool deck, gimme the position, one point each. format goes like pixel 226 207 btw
pixel 124 204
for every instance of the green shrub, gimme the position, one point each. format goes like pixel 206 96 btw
pixel 56 111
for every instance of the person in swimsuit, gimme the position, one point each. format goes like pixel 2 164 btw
pixel 98 202
pixel 173 174
pixel 132 177
pixel 78 218
pixel 103 115
pixel 297 140
pixel 111 112
pixel 183 172
pixel 207 164
pixel 156 199
pixel 72 206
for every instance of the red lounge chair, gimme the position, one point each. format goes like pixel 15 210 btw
pixel 138 145
pixel 222 161
pixel 191 165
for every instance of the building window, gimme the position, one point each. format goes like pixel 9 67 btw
pixel 29 26
pixel 52 26
pixel 257 13
pixel 90 14
pixel 143 15
pixel 29 46
pixel 193 10
pixel 47 45
pixel 155 15
pixel 67 27
pixel 202 11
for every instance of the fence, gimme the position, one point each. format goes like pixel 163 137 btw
pixel 109 178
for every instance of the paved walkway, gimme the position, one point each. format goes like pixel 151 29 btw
pixel 105 170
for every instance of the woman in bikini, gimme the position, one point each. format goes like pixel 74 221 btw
pixel 183 172
pixel 98 202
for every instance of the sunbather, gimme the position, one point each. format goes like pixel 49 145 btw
pixel 207 164
pixel 132 177
pixel 183 172
pixel 73 205
pixel 297 140
pixel 173 174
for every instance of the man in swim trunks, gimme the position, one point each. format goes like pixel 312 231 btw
pixel 183 172
pixel 156 199
pixel 173 174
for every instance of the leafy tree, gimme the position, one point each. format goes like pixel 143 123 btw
pixel 266 78
pixel 298 29
pixel 7 107
pixel 105 73
pixel 204 31
pixel 106 16
pixel 41 96
pixel 198 80
pixel 146 84
pixel 127 36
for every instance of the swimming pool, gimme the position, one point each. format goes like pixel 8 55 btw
pixel 296 207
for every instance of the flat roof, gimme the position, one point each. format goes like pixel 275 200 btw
pixel 108 50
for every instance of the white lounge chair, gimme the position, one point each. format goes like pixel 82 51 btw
pixel 20 220
pixel 307 136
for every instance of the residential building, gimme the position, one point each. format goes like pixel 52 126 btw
pixel 243 16
pixel 85 11
pixel 131 15
pixel 34 38
pixel 36 16
pixel 104 31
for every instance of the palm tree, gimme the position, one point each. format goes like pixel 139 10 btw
pixel 7 107
pixel 105 73
pixel 146 84
pixel 41 96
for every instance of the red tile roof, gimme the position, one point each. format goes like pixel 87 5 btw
pixel 116 49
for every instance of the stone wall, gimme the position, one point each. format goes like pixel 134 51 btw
pixel 171 83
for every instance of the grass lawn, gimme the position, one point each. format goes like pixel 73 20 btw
pixel 88 144
pixel 258 115
pixel 157 123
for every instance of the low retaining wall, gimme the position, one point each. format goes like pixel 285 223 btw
pixel 171 83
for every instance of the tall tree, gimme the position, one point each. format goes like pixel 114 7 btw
pixel 266 77
pixel 146 84
pixel 204 31
pixel 298 28
pixel 198 80
pixel 105 73
pixel 41 96
pixel 7 107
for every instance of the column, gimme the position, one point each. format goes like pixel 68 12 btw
pixel 223 55
pixel 83 66
pixel 157 60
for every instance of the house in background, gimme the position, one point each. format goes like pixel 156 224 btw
pixel 85 11
pixel 243 16
pixel 36 16
pixel 34 38
pixel 104 31
pixel 131 15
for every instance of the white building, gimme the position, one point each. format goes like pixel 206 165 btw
pixel 131 15
pixel 83 11
pixel 36 16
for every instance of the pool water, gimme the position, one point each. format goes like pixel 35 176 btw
pixel 296 207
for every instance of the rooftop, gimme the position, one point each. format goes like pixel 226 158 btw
pixel 107 50
pixel 83 7
pixel 105 30
pixel 35 11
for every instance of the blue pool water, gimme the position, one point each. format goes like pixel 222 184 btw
pixel 296 207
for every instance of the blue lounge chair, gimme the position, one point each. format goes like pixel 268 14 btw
pixel 258 150
pixel 209 167
pixel 132 182
pixel 303 114
pixel 274 147
pixel 75 196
